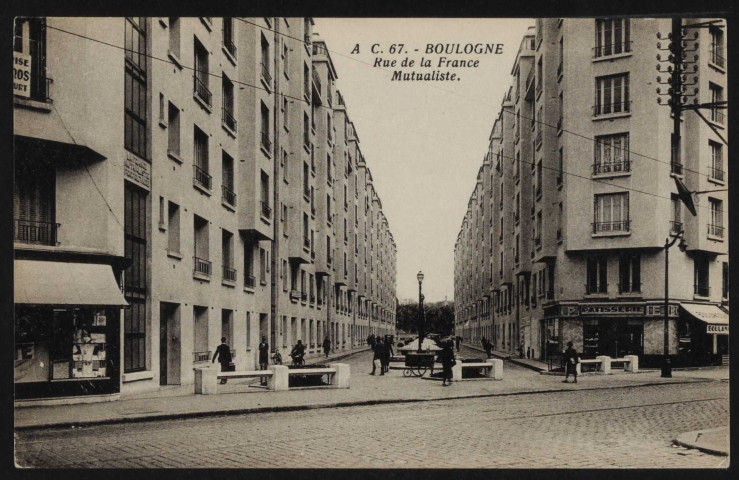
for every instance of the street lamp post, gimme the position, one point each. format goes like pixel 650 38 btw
pixel 666 364
pixel 420 311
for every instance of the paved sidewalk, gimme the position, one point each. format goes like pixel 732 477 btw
pixel 714 441
pixel 242 397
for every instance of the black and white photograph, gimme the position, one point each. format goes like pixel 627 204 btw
pixel 530 243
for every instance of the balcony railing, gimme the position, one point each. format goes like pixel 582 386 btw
pixel 609 108
pixel 538 137
pixel 42 233
pixel 228 118
pixel 612 49
pixel 266 210
pixel 675 227
pixel 715 230
pixel 611 227
pixel 718 117
pixel 717 174
pixel 312 299
pixel 613 167
pixel 201 177
pixel 202 266
pixel 306 242
pixel 228 196
pixel 303 296
pixel 717 57
pixel 201 90
pixel 228 44
pixel 629 287
pixel 317 81
pixel 198 357
pixel 266 142
pixel 266 76
pixel 294 295
pixel 229 274
pixel 676 168
pixel 702 290
pixel 250 281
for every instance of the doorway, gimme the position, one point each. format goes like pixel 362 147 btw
pixel 169 344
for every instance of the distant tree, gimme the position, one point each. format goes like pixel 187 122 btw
pixel 439 317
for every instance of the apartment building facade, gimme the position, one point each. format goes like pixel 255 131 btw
pixel 585 195
pixel 169 222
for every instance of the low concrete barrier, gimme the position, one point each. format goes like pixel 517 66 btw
pixel 278 377
pixel 492 369
pixel 604 363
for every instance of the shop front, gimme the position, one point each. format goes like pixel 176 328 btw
pixel 703 334
pixel 67 330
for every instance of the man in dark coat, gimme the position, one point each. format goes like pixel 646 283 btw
pixel 571 361
pixel 446 357
pixel 326 345
pixel 377 357
pixel 263 357
pixel 458 339
pixel 223 352
pixel 385 353
pixel 371 340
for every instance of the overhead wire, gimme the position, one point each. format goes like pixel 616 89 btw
pixel 410 131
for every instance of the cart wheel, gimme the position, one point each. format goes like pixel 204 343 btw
pixel 421 371
pixel 407 372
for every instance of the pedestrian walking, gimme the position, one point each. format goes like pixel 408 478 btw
pixel 263 357
pixel 386 353
pixel 446 357
pixel 458 340
pixel 488 346
pixel 223 352
pixel 377 357
pixel 371 340
pixel 326 345
pixel 571 361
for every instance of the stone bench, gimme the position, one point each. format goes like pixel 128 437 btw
pixel 492 369
pixel 631 363
pixel 206 379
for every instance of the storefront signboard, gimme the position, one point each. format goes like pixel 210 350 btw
pixel 21 74
pixel 717 329
pixel 611 309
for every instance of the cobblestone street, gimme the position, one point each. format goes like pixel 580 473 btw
pixel 630 427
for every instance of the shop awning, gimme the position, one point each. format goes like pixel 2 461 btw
pixel 709 314
pixel 66 284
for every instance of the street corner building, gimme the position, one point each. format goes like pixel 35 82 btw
pixel 564 235
pixel 179 180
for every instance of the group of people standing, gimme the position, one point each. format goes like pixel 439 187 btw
pixel 383 350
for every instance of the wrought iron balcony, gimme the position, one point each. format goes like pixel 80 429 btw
pixel 266 210
pixel 41 233
pixel 609 108
pixel 228 44
pixel 201 90
pixel 202 266
pixel 201 177
pixel 718 117
pixel 717 174
pixel 266 76
pixel 611 227
pixel 715 230
pixel 717 57
pixel 250 281
pixel 702 290
pixel 229 274
pixel 198 357
pixel 612 49
pixel 228 196
pixel 614 167
pixel 266 142
pixel 228 118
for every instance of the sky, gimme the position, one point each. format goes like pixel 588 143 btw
pixel 423 141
